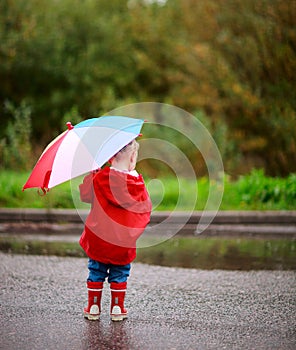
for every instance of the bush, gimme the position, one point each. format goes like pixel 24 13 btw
pixel 250 192
pixel 15 147
pixel 257 190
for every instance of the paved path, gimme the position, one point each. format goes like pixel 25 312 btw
pixel 169 308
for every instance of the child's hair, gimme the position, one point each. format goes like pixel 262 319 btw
pixel 130 147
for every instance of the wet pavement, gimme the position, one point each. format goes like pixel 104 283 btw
pixel 169 308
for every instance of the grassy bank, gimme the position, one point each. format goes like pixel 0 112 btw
pixel 250 192
pixel 201 253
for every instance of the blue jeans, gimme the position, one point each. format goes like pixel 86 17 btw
pixel 98 272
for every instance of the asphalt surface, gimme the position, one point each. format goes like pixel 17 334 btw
pixel 169 308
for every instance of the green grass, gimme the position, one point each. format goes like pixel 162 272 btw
pixel 254 191
pixel 202 253
pixel 12 196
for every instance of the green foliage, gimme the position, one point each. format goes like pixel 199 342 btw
pixel 15 147
pixel 259 190
pixel 250 192
pixel 11 196
pixel 71 116
pixel 226 144
pixel 172 194
pixel 233 60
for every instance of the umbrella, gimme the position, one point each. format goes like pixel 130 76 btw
pixel 82 148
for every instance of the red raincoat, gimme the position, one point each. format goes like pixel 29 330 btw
pixel 120 211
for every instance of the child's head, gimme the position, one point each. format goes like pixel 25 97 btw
pixel 126 158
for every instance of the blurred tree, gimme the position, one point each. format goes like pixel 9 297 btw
pixel 232 61
pixel 258 41
pixel 72 54
pixel 15 147
pixel 239 67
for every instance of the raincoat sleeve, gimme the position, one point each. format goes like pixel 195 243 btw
pixel 86 189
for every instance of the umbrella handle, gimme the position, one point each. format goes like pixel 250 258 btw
pixel 44 191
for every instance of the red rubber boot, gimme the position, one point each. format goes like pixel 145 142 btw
pixel 118 312
pixel 93 309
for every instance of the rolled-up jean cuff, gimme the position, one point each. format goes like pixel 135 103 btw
pixel 98 272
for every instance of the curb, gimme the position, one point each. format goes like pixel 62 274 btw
pixel 267 224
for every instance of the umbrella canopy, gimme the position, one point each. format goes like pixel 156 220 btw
pixel 82 148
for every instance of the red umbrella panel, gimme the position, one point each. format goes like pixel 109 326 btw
pixel 82 148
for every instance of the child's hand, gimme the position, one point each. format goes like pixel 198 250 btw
pixel 95 171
